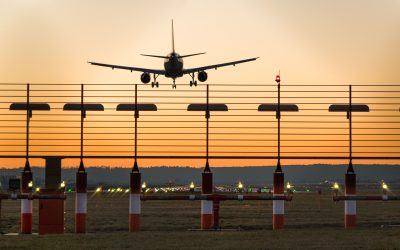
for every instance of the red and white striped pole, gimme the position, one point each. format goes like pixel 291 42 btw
pixel 134 199
pixel 26 178
pixel 350 207
pixel 207 205
pixel 26 204
pixel 81 200
pixel 207 181
pixel 278 206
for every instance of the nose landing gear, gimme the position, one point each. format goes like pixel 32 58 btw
pixel 174 85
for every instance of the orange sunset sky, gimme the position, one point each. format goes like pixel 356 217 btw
pixel 311 42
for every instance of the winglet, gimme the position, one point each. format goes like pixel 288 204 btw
pixel 173 42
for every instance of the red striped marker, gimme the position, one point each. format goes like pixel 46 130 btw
pixel 81 202
pixel 26 204
pixel 350 209
pixel 134 201
pixel 206 205
pixel 278 206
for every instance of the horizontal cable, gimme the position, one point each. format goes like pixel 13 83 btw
pixel 168 156
pixel 186 145
pixel 186 127
pixel 265 121
pixel 195 133
pixel 191 139
pixel 190 151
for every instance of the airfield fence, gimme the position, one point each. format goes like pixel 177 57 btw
pixel 173 132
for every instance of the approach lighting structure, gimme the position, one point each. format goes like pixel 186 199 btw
pixel 335 188
pixel 240 187
pixel 144 187
pixel 191 186
pixel 384 186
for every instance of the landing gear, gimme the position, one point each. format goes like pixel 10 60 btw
pixel 174 85
pixel 154 82
pixel 192 82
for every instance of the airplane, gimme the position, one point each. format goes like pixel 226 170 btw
pixel 173 67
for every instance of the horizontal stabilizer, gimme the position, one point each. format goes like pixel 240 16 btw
pixel 164 57
pixel 192 55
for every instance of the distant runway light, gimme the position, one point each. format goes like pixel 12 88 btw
pixel 240 187
pixel 191 186
pixel 384 186
pixel 144 187
pixel 335 186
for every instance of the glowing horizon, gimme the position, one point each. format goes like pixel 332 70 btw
pixel 343 42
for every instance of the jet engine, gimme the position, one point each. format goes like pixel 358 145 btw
pixel 145 78
pixel 202 76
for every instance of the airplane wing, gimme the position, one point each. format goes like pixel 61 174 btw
pixel 215 66
pixel 152 71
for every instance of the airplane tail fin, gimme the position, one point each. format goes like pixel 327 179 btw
pixel 173 41
pixel 192 55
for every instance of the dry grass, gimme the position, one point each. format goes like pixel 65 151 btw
pixel 165 225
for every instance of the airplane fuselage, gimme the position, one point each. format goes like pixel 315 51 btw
pixel 173 65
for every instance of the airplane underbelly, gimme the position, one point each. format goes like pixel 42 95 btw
pixel 173 71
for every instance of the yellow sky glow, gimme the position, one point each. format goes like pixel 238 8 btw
pixel 311 42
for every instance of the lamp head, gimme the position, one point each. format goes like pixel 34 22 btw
pixel 384 186
pixel 278 78
pixel 335 186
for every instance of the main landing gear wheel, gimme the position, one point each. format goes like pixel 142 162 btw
pixel 192 82
pixel 154 82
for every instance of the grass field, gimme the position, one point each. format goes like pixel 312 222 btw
pixel 166 224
